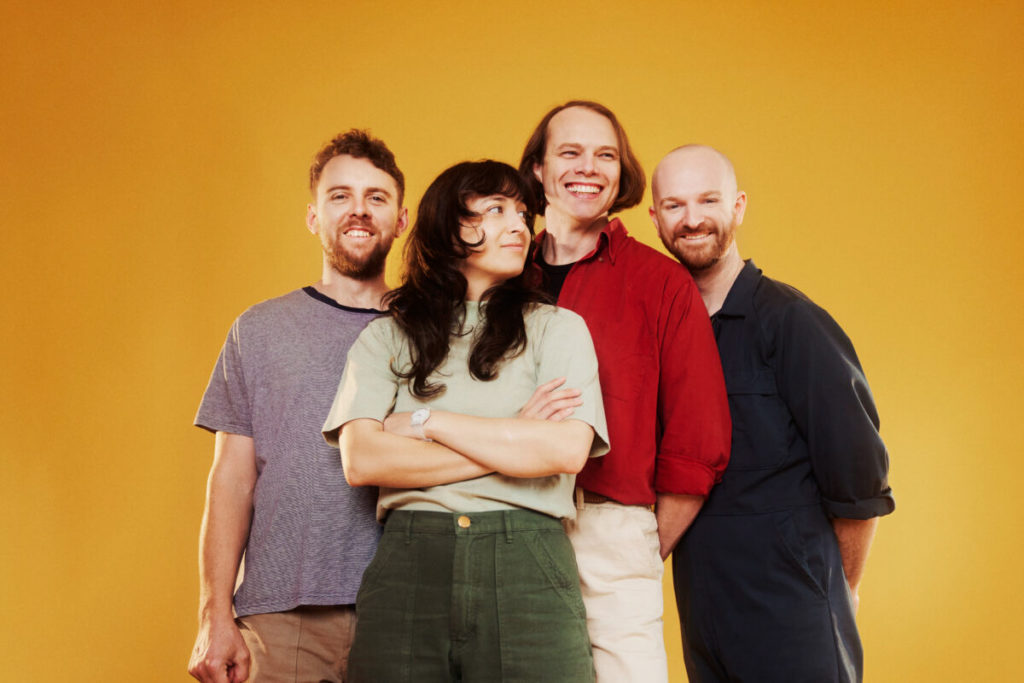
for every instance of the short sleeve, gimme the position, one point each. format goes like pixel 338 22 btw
pixel 566 350
pixel 368 386
pixel 225 406
pixel 822 383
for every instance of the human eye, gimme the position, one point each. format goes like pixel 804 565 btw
pixel 378 198
pixel 338 196
pixel 568 153
pixel 496 209
pixel 711 200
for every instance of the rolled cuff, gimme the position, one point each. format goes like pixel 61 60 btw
pixel 684 477
pixel 876 506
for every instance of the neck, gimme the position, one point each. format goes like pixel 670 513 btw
pixel 477 285
pixel 350 292
pixel 567 241
pixel 715 282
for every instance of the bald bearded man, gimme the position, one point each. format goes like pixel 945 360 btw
pixel 766 578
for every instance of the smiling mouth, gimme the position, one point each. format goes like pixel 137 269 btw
pixel 358 233
pixel 583 189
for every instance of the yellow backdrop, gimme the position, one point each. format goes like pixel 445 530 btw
pixel 153 186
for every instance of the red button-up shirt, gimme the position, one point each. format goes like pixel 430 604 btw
pixel 661 379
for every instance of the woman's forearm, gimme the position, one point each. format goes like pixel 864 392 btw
pixel 514 447
pixel 373 457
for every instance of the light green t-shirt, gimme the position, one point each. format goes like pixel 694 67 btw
pixel 558 345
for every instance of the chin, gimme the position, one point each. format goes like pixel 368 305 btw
pixel 698 265
pixel 589 216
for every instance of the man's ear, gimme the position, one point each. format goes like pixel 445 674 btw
pixel 740 207
pixel 403 221
pixel 311 221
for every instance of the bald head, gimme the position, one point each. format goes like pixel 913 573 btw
pixel 697 207
pixel 693 159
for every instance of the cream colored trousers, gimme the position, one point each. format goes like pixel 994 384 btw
pixel 617 551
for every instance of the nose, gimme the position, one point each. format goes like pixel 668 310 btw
pixel 692 218
pixel 586 164
pixel 359 206
pixel 517 225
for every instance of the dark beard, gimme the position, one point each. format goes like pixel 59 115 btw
pixel 369 268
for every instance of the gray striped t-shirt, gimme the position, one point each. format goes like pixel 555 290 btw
pixel 312 535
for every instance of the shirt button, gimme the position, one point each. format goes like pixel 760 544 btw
pixel 464 522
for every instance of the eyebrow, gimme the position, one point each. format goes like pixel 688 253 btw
pixel 369 190
pixel 580 145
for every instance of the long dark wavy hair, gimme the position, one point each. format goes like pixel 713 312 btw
pixel 430 305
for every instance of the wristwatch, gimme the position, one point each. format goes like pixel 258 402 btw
pixel 418 419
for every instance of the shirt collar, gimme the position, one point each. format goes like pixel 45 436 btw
pixel 610 240
pixel 740 299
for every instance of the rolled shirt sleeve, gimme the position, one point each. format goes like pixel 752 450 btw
pixel 826 391
pixel 693 406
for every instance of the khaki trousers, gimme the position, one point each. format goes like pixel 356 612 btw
pixel 309 644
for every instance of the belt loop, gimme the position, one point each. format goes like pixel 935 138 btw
pixel 508 526
pixel 579 498
pixel 408 527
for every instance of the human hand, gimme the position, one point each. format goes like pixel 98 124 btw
pixel 220 654
pixel 551 403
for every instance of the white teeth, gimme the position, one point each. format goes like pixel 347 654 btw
pixel 586 189
pixel 356 232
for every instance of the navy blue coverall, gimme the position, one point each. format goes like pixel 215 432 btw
pixel 758 576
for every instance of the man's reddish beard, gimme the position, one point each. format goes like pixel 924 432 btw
pixel 366 267
pixel 708 255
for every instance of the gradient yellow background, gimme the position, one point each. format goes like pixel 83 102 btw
pixel 153 187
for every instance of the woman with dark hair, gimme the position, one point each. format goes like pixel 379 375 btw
pixel 474 578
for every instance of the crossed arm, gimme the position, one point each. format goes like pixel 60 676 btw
pixel 538 442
